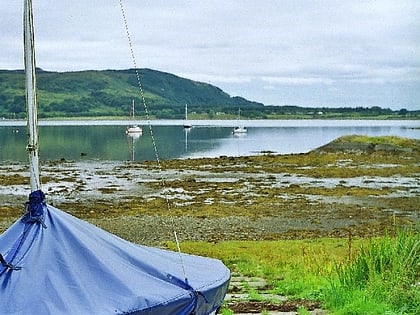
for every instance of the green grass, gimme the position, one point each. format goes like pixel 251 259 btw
pixel 349 276
pixel 384 277
pixel 296 268
pixel 397 141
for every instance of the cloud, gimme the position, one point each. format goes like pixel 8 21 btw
pixel 296 81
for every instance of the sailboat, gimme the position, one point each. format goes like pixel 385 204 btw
pixel 240 129
pixel 52 263
pixel 187 125
pixel 133 129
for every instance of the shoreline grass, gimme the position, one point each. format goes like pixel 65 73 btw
pixel 383 278
pixel 347 276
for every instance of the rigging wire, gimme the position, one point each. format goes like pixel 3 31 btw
pixel 149 123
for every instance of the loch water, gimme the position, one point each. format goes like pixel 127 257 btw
pixel 105 140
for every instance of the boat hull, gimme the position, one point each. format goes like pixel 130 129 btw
pixel 134 130
pixel 240 130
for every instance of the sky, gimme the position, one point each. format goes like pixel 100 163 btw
pixel 319 53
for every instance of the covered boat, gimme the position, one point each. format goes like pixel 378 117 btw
pixel 53 263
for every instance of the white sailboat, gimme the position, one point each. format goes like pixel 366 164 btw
pixel 240 129
pixel 133 129
pixel 187 125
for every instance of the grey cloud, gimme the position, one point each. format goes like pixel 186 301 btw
pixel 263 50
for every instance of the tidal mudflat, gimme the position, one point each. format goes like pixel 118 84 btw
pixel 365 187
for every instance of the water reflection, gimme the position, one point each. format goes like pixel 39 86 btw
pixel 186 132
pixel 109 142
pixel 132 138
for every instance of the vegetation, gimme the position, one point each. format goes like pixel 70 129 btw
pixel 383 278
pixel 353 276
pixel 398 142
pixel 109 93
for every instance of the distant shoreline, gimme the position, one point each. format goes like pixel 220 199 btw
pixel 118 121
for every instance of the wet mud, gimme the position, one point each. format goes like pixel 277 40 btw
pixel 344 187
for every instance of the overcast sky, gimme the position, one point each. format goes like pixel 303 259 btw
pixel 296 52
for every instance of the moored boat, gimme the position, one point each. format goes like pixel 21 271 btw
pixel 133 129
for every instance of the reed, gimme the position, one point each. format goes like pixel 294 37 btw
pixel 382 278
pixel 298 269
pixel 349 276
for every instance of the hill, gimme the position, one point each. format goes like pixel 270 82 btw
pixel 110 93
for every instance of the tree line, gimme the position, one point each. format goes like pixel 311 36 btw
pixel 110 93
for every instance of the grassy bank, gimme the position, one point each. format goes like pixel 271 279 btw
pixel 346 276
pixel 382 279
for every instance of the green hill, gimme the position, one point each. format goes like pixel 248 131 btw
pixel 110 93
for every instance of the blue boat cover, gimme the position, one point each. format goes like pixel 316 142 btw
pixel 54 263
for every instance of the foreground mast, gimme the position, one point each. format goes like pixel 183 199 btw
pixel 52 263
pixel 31 103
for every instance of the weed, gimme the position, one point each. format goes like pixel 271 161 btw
pixel 303 311
pixel 384 275
pixel 226 311
pixel 287 268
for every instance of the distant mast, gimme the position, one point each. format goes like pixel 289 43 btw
pixel 239 129
pixel 31 103
pixel 132 109
pixel 187 125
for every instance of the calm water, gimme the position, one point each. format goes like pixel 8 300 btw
pixel 106 140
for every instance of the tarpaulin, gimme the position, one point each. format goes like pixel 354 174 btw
pixel 54 263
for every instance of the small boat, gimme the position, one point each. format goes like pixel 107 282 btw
pixel 133 129
pixel 54 263
pixel 187 125
pixel 239 129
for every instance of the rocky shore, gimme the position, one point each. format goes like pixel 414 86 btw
pixel 345 187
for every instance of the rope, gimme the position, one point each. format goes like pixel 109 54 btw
pixel 149 123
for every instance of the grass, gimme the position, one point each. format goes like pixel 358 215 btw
pixel 393 140
pixel 383 278
pixel 296 268
pixel 349 276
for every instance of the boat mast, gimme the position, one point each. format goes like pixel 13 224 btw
pixel 31 104
pixel 186 111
